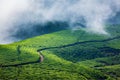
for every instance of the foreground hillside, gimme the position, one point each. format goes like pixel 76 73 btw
pixel 63 55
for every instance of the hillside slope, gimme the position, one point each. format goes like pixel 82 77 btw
pixel 68 55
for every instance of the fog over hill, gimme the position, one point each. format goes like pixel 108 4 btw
pixel 20 19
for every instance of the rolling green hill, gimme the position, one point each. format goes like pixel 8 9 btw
pixel 67 55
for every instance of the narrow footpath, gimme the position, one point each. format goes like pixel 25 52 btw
pixel 41 57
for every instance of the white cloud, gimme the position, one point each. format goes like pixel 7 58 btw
pixel 94 12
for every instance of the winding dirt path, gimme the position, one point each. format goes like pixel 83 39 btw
pixel 41 57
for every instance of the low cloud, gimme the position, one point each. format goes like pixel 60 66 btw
pixel 92 14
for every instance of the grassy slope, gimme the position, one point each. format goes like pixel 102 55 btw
pixel 65 63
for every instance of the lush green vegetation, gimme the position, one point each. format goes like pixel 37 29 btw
pixel 84 61
pixel 11 55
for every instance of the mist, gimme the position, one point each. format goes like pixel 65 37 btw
pixel 22 15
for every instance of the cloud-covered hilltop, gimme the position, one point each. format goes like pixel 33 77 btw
pixel 22 15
